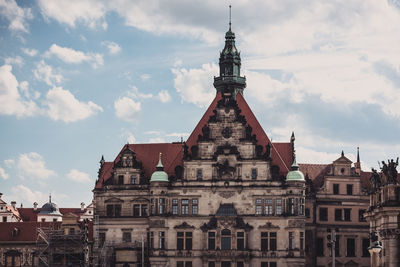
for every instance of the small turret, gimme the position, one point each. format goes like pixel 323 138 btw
pixel 357 164
pixel 295 175
pixel 159 175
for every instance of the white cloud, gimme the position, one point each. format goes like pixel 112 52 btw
pixel 113 48
pixel 18 61
pixel 9 163
pixel 71 56
pixel 11 101
pixel 145 77
pixel 3 174
pixel 16 16
pixel 156 140
pixel 178 134
pixel 22 193
pixel 78 176
pixel 135 93
pixel 153 132
pixel 164 96
pixel 62 105
pixel 88 12
pixel 195 85
pixel 32 165
pixel 128 136
pixel 127 109
pixel 45 73
pixel 30 52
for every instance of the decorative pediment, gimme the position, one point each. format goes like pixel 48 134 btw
pixel 268 225
pixel 140 199
pixel 240 224
pixel 184 225
pixel 212 224
pixel 114 200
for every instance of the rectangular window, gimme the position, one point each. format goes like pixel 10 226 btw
pixel 272 241
pixel 323 214
pixel 349 189
pixel 365 245
pixel 71 231
pixel 268 207
pixel 272 264
pixel 114 210
pixel 117 210
pixel 153 206
pixel 337 246
pixel 291 240
pixel 301 240
pixel 180 264
pixel 175 206
pixel 278 206
pixel 195 207
pixel 264 241
pixel 134 179
pixel 102 239
pixel 211 240
pixel 302 206
pixel 179 240
pixel 211 264
pixel 258 206
pixel 144 210
pixel 320 247
pixel 254 173
pixel 136 210
pixel 188 264
pixel 361 215
pixel 240 240
pixel 338 214
pixel 151 240
pixel 264 264
pixel 240 264
pixel 347 215
pixel 185 206
pixel 307 212
pixel 199 174
pixel 126 237
pixel 226 239
pixel 188 240
pixel 4 219
pixel 162 206
pixel 110 210
pixel 291 206
pixel 351 247
pixel 161 240
pixel 336 189
pixel 120 179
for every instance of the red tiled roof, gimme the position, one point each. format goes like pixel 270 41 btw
pixel 148 155
pixel 262 138
pixel 316 172
pixel 29 215
pixel 26 230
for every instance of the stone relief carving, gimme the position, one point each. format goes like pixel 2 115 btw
pixel 226 194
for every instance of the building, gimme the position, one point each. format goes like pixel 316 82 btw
pixel 337 198
pixel 226 197
pixel 384 215
pixel 46 236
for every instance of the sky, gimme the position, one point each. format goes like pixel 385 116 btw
pixel 81 78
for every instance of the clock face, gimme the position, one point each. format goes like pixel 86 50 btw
pixel 227 132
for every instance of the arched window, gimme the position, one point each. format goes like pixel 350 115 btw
pixel 226 239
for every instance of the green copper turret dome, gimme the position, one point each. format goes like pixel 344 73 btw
pixel 159 175
pixel 295 174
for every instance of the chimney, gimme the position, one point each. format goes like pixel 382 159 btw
pixel 13 204
pixel 82 206
pixel 35 204
pixel 1 194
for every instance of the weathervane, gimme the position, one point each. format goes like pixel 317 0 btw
pixel 230 16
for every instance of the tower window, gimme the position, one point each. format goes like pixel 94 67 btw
pixel 199 174
pixel 185 206
pixel 258 206
pixel 336 189
pixel 175 206
pixel 134 179
pixel 225 239
pixel 161 206
pixel 268 207
pixel 195 207
pixel 254 173
pixel 278 206
pixel 349 188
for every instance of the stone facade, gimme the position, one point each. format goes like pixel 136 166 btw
pixel 384 215
pixel 337 203
pixel 224 202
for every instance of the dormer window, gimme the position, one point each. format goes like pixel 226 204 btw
pixel 134 179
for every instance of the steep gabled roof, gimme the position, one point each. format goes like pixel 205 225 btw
pixel 23 231
pixel 30 215
pixel 316 172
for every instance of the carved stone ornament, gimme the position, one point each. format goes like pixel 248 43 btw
pixel 157 223
pixel 296 224
pixel 184 225
pixel 226 194
pixel 268 225
pixel 227 132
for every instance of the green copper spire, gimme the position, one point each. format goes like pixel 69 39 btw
pixel 295 174
pixel 159 175
pixel 229 79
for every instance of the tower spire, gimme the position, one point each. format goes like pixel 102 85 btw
pixel 230 16
pixel 358 154
pixel 229 81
